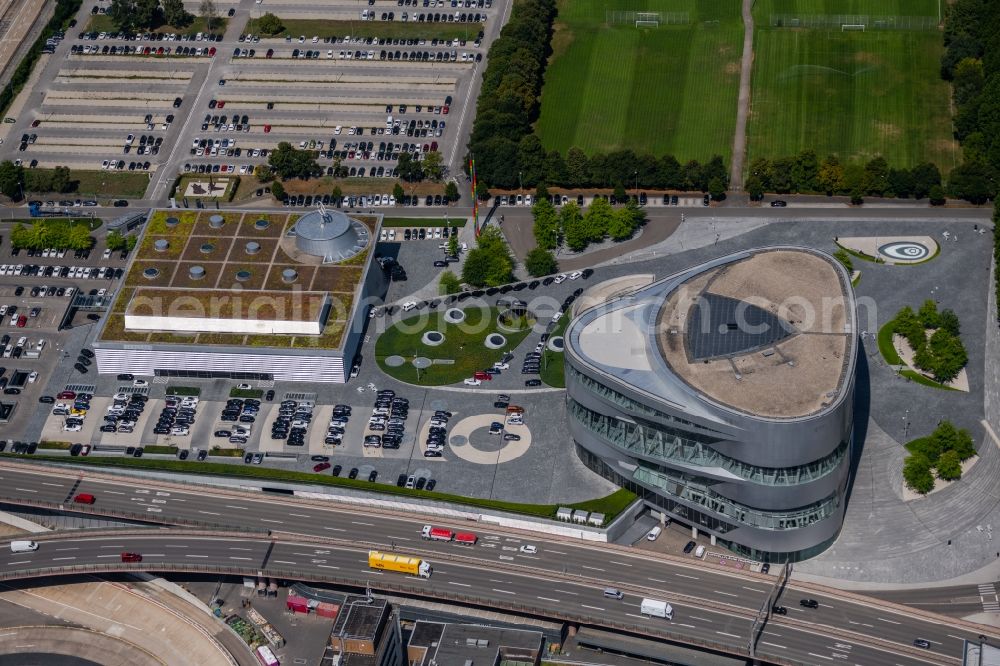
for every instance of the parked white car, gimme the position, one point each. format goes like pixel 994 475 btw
pixel 472 381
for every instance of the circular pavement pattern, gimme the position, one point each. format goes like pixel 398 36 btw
pixel 460 439
pixel 421 362
pixel 905 251
pixel 454 316
pixel 432 338
pixel 394 361
pixel 495 341
pixel 556 344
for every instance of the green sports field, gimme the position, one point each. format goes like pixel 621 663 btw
pixel 671 89
pixel 855 94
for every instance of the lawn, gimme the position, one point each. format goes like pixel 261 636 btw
pixel 463 344
pixel 671 89
pixel 105 184
pixel 853 94
pixel 552 362
pixel 322 28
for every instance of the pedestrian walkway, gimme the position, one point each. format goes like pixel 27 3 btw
pixel 988 597
pixel 743 109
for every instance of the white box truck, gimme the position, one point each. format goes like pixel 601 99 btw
pixel 656 608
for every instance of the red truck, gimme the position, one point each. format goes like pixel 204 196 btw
pixel 466 539
pixel 436 533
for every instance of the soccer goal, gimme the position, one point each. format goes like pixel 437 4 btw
pixel 852 27
pixel 647 19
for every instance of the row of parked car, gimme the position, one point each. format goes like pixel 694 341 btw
pixel 148 36
pixel 338 421
pixel 125 49
pixel 177 416
pixel 123 412
pixel 389 418
pixel 292 423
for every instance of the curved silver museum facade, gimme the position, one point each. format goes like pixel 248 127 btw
pixel 723 396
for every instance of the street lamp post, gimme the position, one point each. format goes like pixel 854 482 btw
pixel 520 183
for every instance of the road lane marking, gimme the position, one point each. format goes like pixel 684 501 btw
pixel 592 607
pixel 728 594
pixel 689 626
pixel 754 589
pixel 210 513
pixel 99 556
pixel 327 566
pixel 656 580
pixel 774 645
pixel 722 633
pixel 113 546
pixel 283 562
pixel 549 599
pixel 299 515
pixel 201 556
pixel 955 637
pixel 557 552
pixel 503 591
pixel 230 506
pixel 57 559
pixel 153 555
pixel 568 592
pixel 238 548
pixel 268 520
pixel 889 621
pixel 621 564
pixel 703 619
pixel 451 582
pixel 821 656
pixel 60 549
pixel 335 529
pixel 57 485
pixel 686 576
pixel 638 617
pixel 238 558
pixel 358 522
pixel 771 633
pixel 26 490
pixel 26 561
pixel 153 509
pixel 584 566
pixel 114 492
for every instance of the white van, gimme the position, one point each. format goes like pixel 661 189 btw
pixel 656 608
pixel 23 546
pixel 654 533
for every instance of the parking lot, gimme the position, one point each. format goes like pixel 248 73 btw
pixel 166 103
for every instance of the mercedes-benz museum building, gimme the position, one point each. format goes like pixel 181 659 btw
pixel 723 396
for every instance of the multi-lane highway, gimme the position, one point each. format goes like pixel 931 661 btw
pixel 568 577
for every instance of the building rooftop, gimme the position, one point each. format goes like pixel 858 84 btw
pixel 240 266
pixel 361 617
pixel 767 332
pixel 462 644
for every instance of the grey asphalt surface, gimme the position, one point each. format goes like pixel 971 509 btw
pixel 496 551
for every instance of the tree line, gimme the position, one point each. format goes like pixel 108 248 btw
pixel 137 15
pixel 16 180
pixel 60 234
pixel 943 451
pixel 942 354
pixel 806 174
pixel 971 62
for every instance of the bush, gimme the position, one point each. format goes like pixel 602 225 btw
pixel 449 283
pixel 270 24
pixel 844 258
pixel 540 262
pixel 278 191
pixel 917 474
pixel 949 467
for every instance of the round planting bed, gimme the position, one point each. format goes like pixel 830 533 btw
pixel 432 338
pixel 495 341
pixel 454 316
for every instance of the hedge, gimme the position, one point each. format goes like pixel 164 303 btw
pixel 610 505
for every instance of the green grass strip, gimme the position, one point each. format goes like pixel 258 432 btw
pixel 610 505
pixel 397 29
pixel 552 371
pixel 891 356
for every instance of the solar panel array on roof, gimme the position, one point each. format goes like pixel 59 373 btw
pixel 720 326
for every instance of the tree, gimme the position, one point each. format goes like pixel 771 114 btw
pixel 831 176
pixel 546 226
pixel 754 188
pixel 269 24
pixel 949 467
pixel 625 221
pixel 433 165
pixel 597 219
pixel 917 474
pixel 337 195
pixel 115 241
pixel 482 191
pixel 949 355
pixel 409 169
pixel 541 192
pixel 209 13
pixel 936 196
pixel 876 179
pixel 451 191
pixel 398 193
pixel 175 14
pixel 263 173
pixel 78 238
pixel 577 168
pixel 61 180
pixel 571 223
pixel 716 189
pixel 453 245
pixel 134 15
pixel 948 320
pixel 449 283
pixel 963 445
pixel 11 177
pixel 540 262
pixel 288 162
pixel 621 195
pixel 489 264
pixel 972 181
pixel 278 191
pixel 928 314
